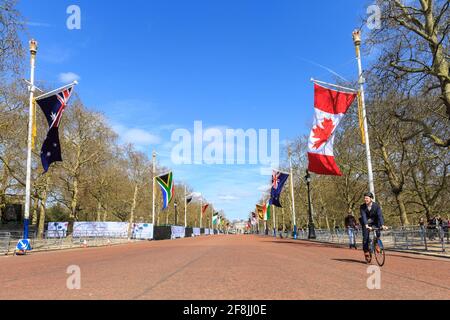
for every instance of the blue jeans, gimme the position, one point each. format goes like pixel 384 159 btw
pixel 351 237
pixel 366 238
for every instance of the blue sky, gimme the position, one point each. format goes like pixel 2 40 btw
pixel 154 66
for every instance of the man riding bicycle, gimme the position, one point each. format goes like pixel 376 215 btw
pixel 371 217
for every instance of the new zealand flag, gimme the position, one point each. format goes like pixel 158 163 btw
pixel 53 107
pixel 278 181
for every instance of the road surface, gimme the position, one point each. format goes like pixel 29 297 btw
pixel 221 268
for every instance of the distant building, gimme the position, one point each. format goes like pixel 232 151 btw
pixel 240 226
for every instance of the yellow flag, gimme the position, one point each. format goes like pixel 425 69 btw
pixel 33 128
pixel 361 119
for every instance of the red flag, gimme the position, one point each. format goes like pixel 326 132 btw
pixel 330 107
pixel 204 208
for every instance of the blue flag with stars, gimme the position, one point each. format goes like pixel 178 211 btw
pixel 278 181
pixel 53 107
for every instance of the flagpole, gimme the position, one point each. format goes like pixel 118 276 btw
pixel 201 206
pixel 153 186
pixel 361 80
pixel 332 85
pixel 33 52
pixel 185 207
pixel 274 221
pixel 292 194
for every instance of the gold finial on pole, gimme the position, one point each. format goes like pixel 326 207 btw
pixel 33 46
pixel 357 37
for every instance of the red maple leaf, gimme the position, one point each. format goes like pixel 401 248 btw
pixel 323 132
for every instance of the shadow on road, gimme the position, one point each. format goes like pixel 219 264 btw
pixel 350 261
pixel 307 244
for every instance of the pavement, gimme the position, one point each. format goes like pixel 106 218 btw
pixel 222 267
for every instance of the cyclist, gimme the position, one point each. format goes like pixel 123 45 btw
pixel 371 217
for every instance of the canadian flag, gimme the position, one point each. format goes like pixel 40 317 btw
pixel 330 107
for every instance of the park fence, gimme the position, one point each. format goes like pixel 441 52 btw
pixel 434 240
pixel 56 240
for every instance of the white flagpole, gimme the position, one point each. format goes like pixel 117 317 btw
pixel 292 194
pixel 201 207
pixel 48 94
pixel 333 85
pixel 33 51
pixel 185 207
pixel 361 81
pixel 274 221
pixel 153 186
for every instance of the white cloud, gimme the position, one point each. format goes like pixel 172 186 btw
pixel 38 24
pixel 264 188
pixel 136 136
pixel 68 77
pixel 228 198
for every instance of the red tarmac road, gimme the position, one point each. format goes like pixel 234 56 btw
pixel 221 268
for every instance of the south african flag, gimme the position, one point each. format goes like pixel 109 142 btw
pixel 268 210
pixel 216 218
pixel 165 181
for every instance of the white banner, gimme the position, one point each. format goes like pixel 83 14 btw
pixel 177 232
pixel 57 229
pixel 100 229
pixel 206 231
pixel 143 231
pixel 196 232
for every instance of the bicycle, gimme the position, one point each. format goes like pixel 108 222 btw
pixel 376 248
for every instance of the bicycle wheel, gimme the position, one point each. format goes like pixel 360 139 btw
pixel 379 254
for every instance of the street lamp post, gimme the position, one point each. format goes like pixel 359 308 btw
pixel 311 228
pixel 175 204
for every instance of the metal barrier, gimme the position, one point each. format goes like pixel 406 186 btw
pixel 5 238
pixel 414 239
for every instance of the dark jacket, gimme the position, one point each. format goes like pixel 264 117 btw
pixel 350 221
pixel 372 217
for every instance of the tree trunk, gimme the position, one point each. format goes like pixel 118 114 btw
pixel 99 209
pixel 133 207
pixel 326 221
pixel 42 214
pixel 34 220
pixel 402 209
pixel 74 202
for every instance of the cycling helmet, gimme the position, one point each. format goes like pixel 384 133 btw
pixel 369 194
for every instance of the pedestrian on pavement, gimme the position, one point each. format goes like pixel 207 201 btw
pixel 280 230
pixel 446 226
pixel 350 225
pixel 422 228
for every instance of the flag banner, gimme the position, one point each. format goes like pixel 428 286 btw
pixel 204 208
pixel 260 211
pixel 196 232
pixel 361 118
pixel 33 128
pixel 53 107
pixel 57 229
pixel 100 229
pixel 330 107
pixel 165 181
pixel 177 232
pixel 189 199
pixel 215 218
pixel 254 220
pixel 278 181
pixel 142 231
pixel 267 213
